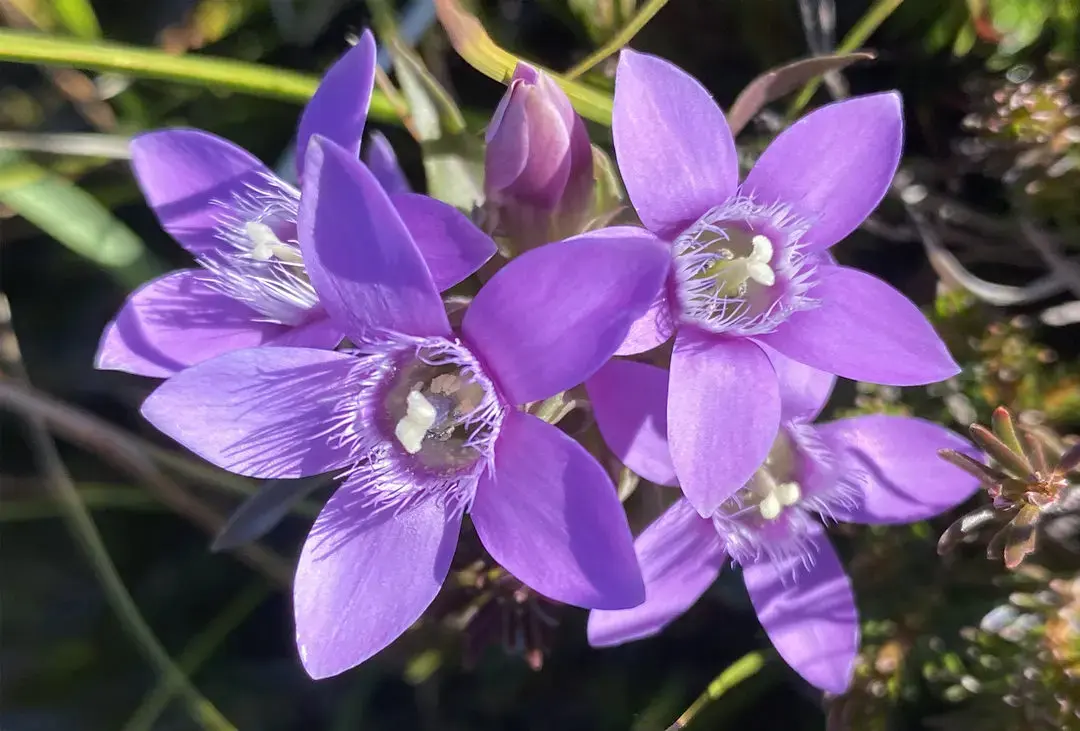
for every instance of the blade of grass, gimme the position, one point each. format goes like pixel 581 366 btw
pixel 78 17
pixel 194 68
pixel 620 39
pixel 94 497
pixel 196 654
pixel 856 37
pixel 74 218
pixel 89 540
pixel 745 667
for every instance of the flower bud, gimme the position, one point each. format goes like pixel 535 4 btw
pixel 538 169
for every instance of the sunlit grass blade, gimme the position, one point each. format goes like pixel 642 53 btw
pixel 193 68
pixel 74 218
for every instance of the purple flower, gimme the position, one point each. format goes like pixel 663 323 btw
pixel 750 264
pixel 538 168
pixel 874 469
pixel 239 221
pixel 421 421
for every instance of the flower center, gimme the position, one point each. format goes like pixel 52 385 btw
pixel 259 261
pixel 738 269
pixel 771 489
pixel 441 412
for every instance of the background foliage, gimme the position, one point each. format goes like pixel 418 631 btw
pixel 155 631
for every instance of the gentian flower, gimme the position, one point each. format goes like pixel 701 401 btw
pixel 538 166
pixel 875 469
pixel 750 266
pixel 421 420
pixel 238 219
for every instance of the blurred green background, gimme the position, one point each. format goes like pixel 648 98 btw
pixel 983 230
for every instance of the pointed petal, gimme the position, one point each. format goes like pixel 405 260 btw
pixel 674 149
pixel 260 412
pixel 181 171
pixel 723 415
pixel 383 163
pixel 680 557
pixel 864 330
pixel 552 316
pixel 809 615
pixel 906 479
pixel 652 329
pixel 321 332
pixel 358 252
pixel 363 580
pixel 339 108
pixel 833 166
pixel 629 401
pixel 452 246
pixel 804 391
pixel 176 321
pixel 551 517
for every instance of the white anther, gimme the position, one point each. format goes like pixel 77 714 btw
pixel 761 273
pixel 263 240
pixel 770 507
pixel 788 493
pixel 763 249
pixel 419 416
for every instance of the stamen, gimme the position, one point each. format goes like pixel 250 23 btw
pixel 788 493
pixel 419 417
pixel 740 268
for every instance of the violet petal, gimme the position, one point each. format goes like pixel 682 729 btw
pixel 833 166
pixel 809 614
pixel 260 412
pixel 675 152
pixel 176 321
pixel 723 415
pixel 360 257
pixel 551 517
pixel 680 557
pixel 362 580
pixel 629 402
pixel 864 330
pixel 552 316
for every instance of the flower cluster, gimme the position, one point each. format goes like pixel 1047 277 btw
pixel 313 339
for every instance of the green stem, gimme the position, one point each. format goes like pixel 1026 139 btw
pixel 198 69
pixel 89 540
pixel 95 497
pixel 197 653
pixel 856 38
pixel 620 39
pixel 742 669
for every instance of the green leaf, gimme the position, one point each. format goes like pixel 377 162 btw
pixel 78 17
pixel 74 218
pixel 192 68
pixel 454 159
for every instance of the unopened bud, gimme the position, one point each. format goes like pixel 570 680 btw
pixel 538 169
